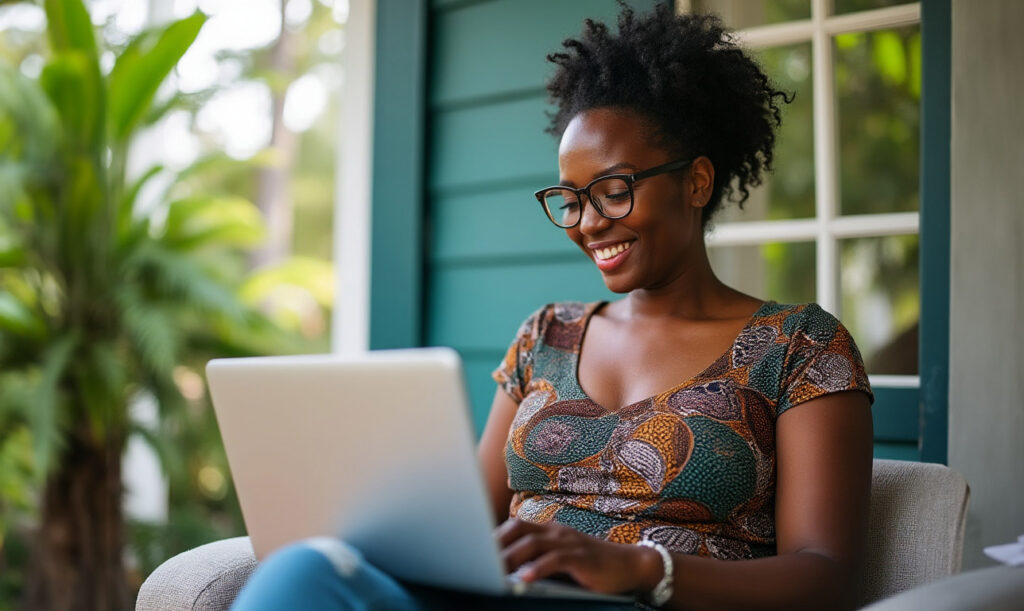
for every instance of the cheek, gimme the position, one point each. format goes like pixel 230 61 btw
pixel 575 236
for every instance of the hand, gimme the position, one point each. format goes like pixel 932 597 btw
pixel 543 550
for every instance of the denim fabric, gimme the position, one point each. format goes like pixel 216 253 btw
pixel 327 575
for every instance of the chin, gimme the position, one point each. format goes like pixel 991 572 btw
pixel 617 285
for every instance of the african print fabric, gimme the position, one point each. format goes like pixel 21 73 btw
pixel 692 468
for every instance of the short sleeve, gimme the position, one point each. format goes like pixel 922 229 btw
pixel 822 359
pixel 515 370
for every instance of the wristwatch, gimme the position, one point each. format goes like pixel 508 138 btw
pixel 663 591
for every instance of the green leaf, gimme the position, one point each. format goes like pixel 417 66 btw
pixel 126 207
pixel 176 278
pixel 915 65
pixel 69 27
pixel 150 330
pixel 11 252
pixel 313 275
pixel 890 58
pixel 35 125
pixel 17 318
pixel 142 67
pixel 76 95
pixel 71 35
pixel 222 221
pixel 44 417
pixel 101 376
pixel 17 392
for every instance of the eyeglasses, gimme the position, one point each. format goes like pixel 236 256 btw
pixel 611 196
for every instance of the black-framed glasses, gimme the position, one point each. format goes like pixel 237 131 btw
pixel 611 196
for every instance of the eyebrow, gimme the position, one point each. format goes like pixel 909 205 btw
pixel 609 170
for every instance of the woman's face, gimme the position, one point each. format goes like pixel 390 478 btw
pixel 662 237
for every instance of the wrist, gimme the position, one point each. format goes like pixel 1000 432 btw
pixel 661 593
pixel 650 569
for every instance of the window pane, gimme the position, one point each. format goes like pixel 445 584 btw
pixel 878 90
pixel 788 192
pixel 881 301
pixel 781 271
pixel 850 6
pixel 739 14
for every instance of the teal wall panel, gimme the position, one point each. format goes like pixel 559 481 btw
pixel 478 367
pixel 492 301
pixel 493 49
pixel 496 226
pixel 475 147
pixel 396 239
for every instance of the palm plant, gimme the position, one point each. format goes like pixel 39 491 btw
pixel 99 298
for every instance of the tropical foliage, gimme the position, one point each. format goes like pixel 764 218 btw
pixel 106 297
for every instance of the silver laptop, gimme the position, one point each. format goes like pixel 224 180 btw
pixel 376 449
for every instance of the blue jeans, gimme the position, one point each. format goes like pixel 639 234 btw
pixel 325 574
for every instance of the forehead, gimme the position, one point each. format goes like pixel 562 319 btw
pixel 606 136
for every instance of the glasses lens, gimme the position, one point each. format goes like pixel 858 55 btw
pixel 614 197
pixel 562 206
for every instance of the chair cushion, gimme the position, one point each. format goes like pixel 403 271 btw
pixel 208 577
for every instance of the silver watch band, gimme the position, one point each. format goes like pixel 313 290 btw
pixel 663 591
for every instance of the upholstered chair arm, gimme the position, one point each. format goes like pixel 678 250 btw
pixel 206 578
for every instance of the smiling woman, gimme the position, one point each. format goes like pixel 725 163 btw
pixel 687 444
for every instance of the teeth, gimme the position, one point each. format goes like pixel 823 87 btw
pixel 611 251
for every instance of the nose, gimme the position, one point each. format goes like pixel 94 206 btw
pixel 592 222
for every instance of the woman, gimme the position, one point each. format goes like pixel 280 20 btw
pixel 687 443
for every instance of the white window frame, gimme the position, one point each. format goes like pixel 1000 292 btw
pixel 828 226
pixel 350 328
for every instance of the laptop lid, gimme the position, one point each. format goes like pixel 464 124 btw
pixel 375 448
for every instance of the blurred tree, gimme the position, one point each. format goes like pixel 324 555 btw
pixel 101 301
pixel 273 197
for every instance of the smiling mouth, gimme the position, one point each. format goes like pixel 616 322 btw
pixel 603 254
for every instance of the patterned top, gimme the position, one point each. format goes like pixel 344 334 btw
pixel 692 468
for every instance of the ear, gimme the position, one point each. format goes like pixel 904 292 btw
pixel 702 181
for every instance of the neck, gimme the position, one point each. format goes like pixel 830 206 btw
pixel 694 294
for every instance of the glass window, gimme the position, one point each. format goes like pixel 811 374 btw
pixel 783 271
pixel 741 14
pixel 851 6
pixel 878 94
pixel 788 192
pixel 867 116
pixel 881 301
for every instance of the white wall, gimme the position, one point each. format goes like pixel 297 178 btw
pixel 986 398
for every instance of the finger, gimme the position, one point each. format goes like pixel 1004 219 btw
pixel 514 528
pixel 526 548
pixel 555 561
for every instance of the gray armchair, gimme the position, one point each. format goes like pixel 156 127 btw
pixel 915 536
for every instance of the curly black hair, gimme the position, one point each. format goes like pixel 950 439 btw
pixel 687 78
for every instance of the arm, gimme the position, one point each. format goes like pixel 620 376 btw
pixel 491 452
pixel 823 484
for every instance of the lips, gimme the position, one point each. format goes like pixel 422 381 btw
pixel 608 256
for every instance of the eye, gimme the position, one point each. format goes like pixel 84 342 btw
pixel 618 196
pixel 569 205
